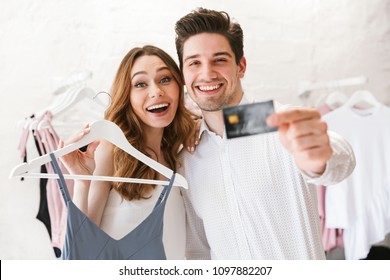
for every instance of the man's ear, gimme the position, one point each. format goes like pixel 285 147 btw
pixel 242 67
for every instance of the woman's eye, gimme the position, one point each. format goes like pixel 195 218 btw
pixel 140 85
pixel 165 80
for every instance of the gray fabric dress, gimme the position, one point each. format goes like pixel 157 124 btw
pixel 86 241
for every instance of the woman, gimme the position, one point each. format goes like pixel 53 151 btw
pixel 148 105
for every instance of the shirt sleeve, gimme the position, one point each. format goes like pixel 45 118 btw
pixel 340 165
pixel 197 247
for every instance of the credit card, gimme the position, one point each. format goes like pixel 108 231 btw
pixel 248 119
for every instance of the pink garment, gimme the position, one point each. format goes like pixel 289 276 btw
pixel 23 142
pixel 48 139
pixel 324 108
pixel 332 238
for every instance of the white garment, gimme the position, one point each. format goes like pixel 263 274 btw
pixel 248 200
pixel 122 216
pixel 361 203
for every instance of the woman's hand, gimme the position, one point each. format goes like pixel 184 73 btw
pixel 78 162
pixel 192 141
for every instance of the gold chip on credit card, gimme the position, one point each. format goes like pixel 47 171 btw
pixel 233 119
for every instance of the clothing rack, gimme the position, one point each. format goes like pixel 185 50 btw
pixel 307 87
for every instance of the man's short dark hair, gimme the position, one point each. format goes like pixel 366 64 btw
pixel 209 21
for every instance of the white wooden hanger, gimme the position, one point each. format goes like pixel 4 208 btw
pixel 77 94
pixel 362 99
pixel 112 133
pixel 71 97
pixel 59 101
pixel 336 99
pixel 65 97
pixel 74 79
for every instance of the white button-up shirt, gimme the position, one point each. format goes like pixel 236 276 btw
pixel 248 200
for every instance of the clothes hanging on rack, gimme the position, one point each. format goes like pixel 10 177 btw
pixel 85 240
pixel 361 203
pixel 51 210
pixel 43 213
pixel 48 140
pixel 332 238
pixel 70 118
pixel 78 110
pixel 43 209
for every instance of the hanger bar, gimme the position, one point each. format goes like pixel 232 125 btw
pixel 307 87
pixel 99 130
pixel 96 178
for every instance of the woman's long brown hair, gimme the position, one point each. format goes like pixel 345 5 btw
pixel 121 113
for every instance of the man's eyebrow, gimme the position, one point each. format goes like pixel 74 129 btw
pixel 223 53
pixel 191 57
pixel 215 54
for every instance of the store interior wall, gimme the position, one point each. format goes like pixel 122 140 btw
pixel 286 43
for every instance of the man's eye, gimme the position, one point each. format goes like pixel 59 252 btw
pixel 165 80
pixel 220 60
pixel 193 63
pixel 140 85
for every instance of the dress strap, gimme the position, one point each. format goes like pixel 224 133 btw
pixel 165 192
pixel 61 180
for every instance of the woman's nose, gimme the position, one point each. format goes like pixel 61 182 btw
pixel 155 90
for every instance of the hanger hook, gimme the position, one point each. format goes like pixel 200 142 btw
pixel 109 95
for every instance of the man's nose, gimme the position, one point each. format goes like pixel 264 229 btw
pixel 208 72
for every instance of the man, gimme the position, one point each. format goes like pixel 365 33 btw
pixel 250 197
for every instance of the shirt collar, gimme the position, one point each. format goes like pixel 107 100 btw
pixel 204 126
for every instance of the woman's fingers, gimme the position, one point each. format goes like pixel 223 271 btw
pixel 80 161
pixel 92 148
pixel 78 135
pixel 194 139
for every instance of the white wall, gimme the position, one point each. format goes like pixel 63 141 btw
pixel 286 42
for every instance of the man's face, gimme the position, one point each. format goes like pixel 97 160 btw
pixel 210 72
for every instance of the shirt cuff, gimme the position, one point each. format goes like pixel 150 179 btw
pixel 340 165
pixel 315 178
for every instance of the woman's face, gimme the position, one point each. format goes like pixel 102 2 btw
pixel 154 93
